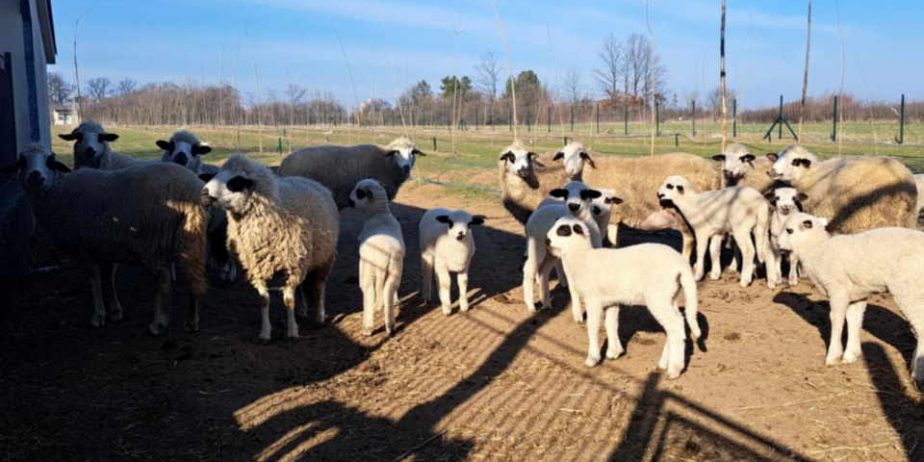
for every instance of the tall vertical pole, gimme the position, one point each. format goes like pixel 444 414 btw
pixel 808 47
pixel 722 88
pixel 657 118
pixel 834 118
pixel 735 118
pixel 597 114
pixel 901 121
pixel 693 118
pixel 625 129
pixel 572 117
pixel 779 136
pixel 548 118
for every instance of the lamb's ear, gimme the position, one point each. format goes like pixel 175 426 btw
pixel 772 156
pixel 507 156
pixel 239 183
pixel 613 200
pixel 590 194
pixel 559 193
pixel 719 157
pixel 68 136
pixel 590 160
pixel 201 149
pixel 15 166
pixel 477 220
pixel 206 177
pixel 418 152
pixel 56 165
pixel 444 219
pixel 559 156
pixel 165 145
pixel 578 229
pixel 108 137
pixel 534 158
pixel 748 158
pixel 801 197
pixel 771 196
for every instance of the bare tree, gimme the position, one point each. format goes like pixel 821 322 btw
pixel 644 73
pixel 612 73
pixel 489 72
pixel 59 90
pixel 572 86
pixel 98 88
pixel 126 86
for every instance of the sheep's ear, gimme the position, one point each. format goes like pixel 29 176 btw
pixel 392 153
pixel 165 145
pixel 68 136
pixel 771 196
pixel 507 156
pixel 418 152
pixel 748 158
pixel 807 224
pixel 206 177
pixel 772 156
pixel 239 183
pixel 477 220
pixel 590 194
pixel 719 157
pixel 15 166
pixel 613 200
pixel 590 160
pixel 578 229
pixel 56 165
pixel 201 149
pixel 559 193
pixel 801 197
pixel 444 219
pixel 108 137
pixel 559 156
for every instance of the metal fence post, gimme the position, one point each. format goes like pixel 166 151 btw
pixel 834 120
pixel 597 112
pixel 735 118
pixel 694 118
pixel 901 121
pixel 572 118
pixel 434 144
pixel 625 129
pixel 657 118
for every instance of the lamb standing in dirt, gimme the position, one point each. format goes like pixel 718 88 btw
pixel 381 254
pixel 278 225
pixel 738 210
pixel 847 269
pixel 525 181
pixel 646 274
pixel 341 167
pixel 148 215
pixel 785 202
pixel 741 168
pixel 446 245
pixel 857 194
pixel 91 148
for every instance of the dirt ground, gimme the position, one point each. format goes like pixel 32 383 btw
pixel 491 384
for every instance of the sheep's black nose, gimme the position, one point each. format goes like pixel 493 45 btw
pixel 89 152
pixel 573 207
pixel 548 242
pixel 181 158
pixel 407 169
pixel 35 179
pixel 460 236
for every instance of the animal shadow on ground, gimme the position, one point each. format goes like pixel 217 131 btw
pixel 903 412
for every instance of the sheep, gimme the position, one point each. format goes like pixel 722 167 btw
pixel 381 253
pixel 91 148
pixel 635 179
pixel 185 148
pixel 847 269
pixel 784 201
pixel 856 193
pixel 148 214
pixel 278 225
pixel 646 274
pixel 739 210
pixel 741 168
pixel 539 263
pixel 573 156
pixel 446 245
pixel 919 183
pixel 525 181
pixel 341 167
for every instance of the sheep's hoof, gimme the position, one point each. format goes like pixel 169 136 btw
pixel 832 361
pixel 715 276
pixel 367 332
pixel 447 311
pixel 613 353
pixel 793 282
pixel 156 328
pixel 117 314
pixel 191 326
pixel 463 309
pixel 538 307
pixel 579 318
pixel 673 373
pixel 745 282
pixel 850 357
pixel 591 361
pixel 97 321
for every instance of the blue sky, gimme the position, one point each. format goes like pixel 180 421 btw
pixel 263 45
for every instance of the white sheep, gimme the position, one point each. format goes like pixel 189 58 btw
pixel 525 180
pixel 91 148
pixel 857 194
pixel 740 167
pixel 785 201
pixel 341 167
pixel 381 253
pixel 148 215
pixel 285 226
pixel 919 182
pixel 847 269
pixel 739 210
pixel 446 245
pixel 646 274
pixel 577 199
pixel 185 148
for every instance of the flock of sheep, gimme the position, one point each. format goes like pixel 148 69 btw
pixel 188 221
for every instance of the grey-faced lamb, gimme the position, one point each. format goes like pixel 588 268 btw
pixel 91 148
pixel 278 225
pixel 646 274
pixel 446 246
pixel 341 167
pixel 148 215
pixel 525 180
pixel 185 148
pixel 740 167
pixel 381 253
pixel 847 269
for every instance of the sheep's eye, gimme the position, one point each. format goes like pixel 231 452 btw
pixel 789 231
pixel 360 194
pixel 670 186
pixel 795 162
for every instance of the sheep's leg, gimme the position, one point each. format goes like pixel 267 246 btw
pixel 675 346
pixel 367 285
pixel 316 283
pixel 715 257
pixel 444 279
pixel 162 300
pixel 915 317
pixel 730 244
pixel 389 292
pixel 426 277
pixel 115 307
pixel 838 304
pixel 529 280
pixel 702 242
pixel 544 271
pixel 793 270
pixel 688 239
pixel 854 323
pixel 265 326
pixel 594 315
pixel 560 274
pixel 462 280
pixel 743 238
pixel 98 319
pixel 613 345
pixel 288 299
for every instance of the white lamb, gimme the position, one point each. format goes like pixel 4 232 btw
pixel 381 253
pixel 739 210
pixel 539 262
pixel 785 202
pixel 849 268
pixel 646 274
pixel 446 245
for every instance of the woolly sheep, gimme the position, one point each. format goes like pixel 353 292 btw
pixel 847 269
pixel 539 262
pixel 635 180
pixel 919 182
pixel 525 181
pixel 784 201
pixel 341 167
pixel 446 245
pixel 738 210
pixel 91 148
pixel 381 253
pixel 148 214
pixel 741 168
pixel 856 193
pixel 185 148
pixel 646 274
pixel 278 225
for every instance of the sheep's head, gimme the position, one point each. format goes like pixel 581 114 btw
pixel 737 161
pixel 602 207
pixel 786 200
pixel 567 233
pixel 518 160
pixel 578 197
pixel 791 163
pixel 404 152
pixel 238 181
pixel 459 223
pixel 184 148
pixel 802 230
pixel 672 188
pixel 91 144
pixel 38 168
pixel 574 156
pixel 368 193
